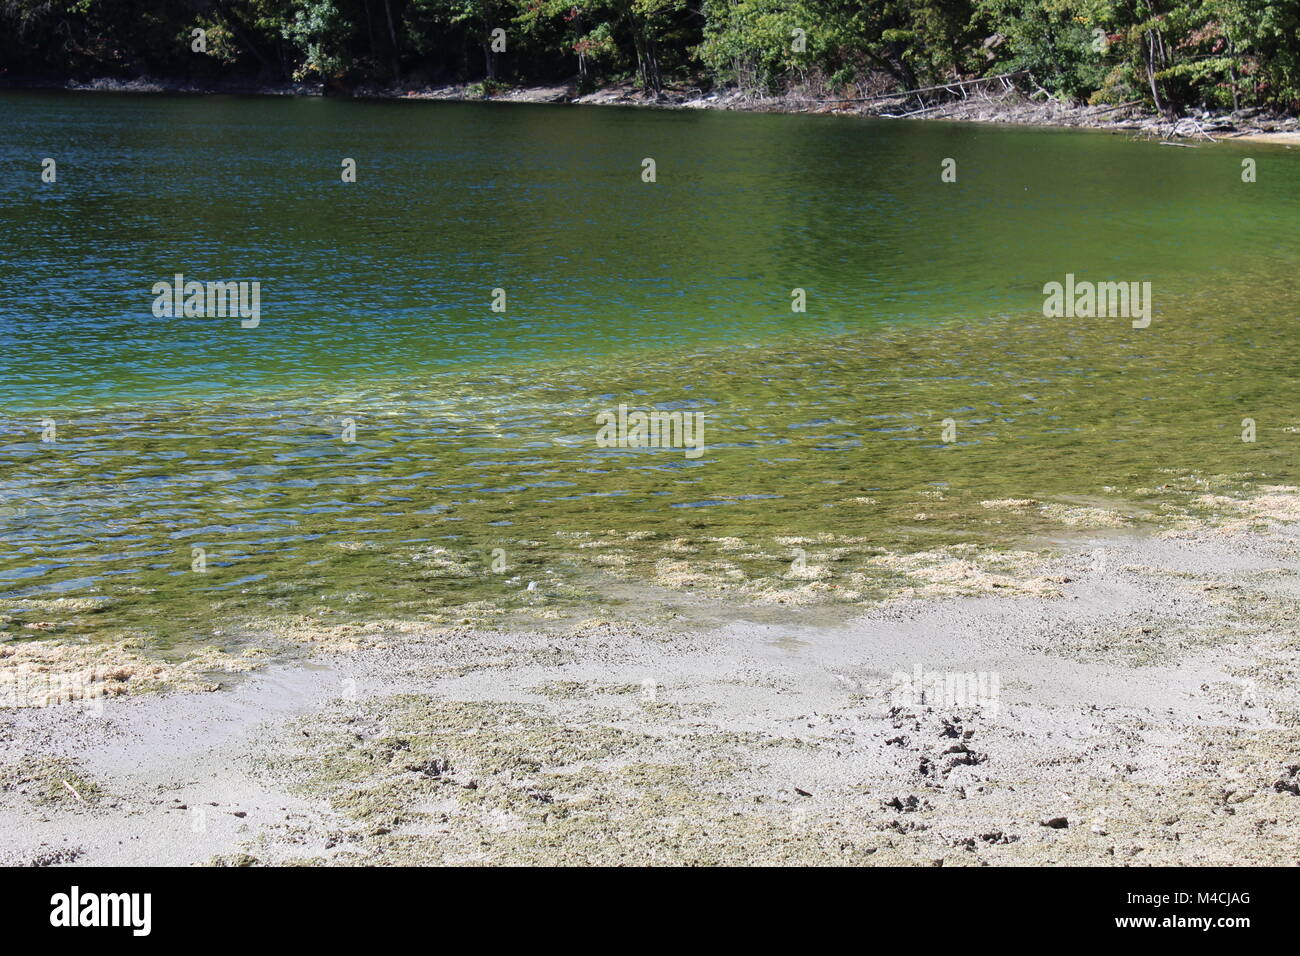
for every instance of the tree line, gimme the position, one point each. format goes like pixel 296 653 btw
pixel 1169 54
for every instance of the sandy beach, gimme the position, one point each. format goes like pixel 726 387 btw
pixel 1143 711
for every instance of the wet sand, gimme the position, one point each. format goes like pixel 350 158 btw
pixel 1287 139
pixel 1144 712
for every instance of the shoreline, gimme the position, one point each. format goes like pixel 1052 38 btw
pixel 1013 108
pixel 1139 717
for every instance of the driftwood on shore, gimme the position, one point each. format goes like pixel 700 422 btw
pixel 962 93
pixel 955 86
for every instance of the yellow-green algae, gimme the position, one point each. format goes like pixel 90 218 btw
pixel 825 479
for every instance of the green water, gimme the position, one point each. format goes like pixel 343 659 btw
pixel 475 430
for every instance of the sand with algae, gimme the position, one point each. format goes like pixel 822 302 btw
pixel 1145 714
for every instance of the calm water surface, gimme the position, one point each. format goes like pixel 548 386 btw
pixel 475 429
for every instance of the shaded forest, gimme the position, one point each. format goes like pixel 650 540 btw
pixel 1169 54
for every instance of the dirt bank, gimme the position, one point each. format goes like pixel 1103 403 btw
pixel 991 105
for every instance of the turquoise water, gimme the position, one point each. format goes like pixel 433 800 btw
pixel 393 275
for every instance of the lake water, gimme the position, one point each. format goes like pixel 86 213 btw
pixel 182 440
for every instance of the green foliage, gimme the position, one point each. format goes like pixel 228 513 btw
pixel 755 42
pixel 321 32
pixel 1055 40
pixel 1172 53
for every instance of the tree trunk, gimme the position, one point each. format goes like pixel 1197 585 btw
pixel 1232 74
pixel 582 55
pixel 392 39
pixel 245 36
pixel 652 66
pixel 1150 50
